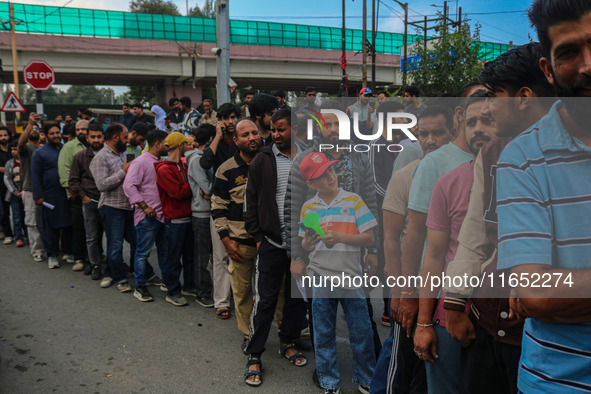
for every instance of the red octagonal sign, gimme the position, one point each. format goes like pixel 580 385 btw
pixel 39 75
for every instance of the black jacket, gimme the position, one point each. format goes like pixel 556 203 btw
pixel 261 215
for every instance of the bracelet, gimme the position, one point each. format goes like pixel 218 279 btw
pixel 144 207
pixel 408 293
pixel 424 325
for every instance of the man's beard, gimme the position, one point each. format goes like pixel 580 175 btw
pixel 34 137
pixel 96 146
pixel 576 104
pixel 121 146
pixel 55 143
pixel 247 150
pixel 82 138
pixel 3 142
pixel 477 138
pixel 283 145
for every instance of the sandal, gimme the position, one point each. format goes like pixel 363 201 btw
pixel 251 372
pixel 222 313
pixel 293 359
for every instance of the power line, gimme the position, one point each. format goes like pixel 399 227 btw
pixel 498 12
pixel 499 29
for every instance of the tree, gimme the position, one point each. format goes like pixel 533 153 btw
pixel 453 61
pixel 207 10
pixel 142 94
pixel 154 7
pixel 85 95
pixel 51 96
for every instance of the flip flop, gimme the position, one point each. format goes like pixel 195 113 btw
pixel 223 313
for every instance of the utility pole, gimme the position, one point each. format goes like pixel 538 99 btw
pixel 344 87
pixel 373 45
pixel 222 20
pixel 13 22
pixel 404 42
pixel 364 48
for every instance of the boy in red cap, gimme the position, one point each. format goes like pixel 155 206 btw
pixel 347 223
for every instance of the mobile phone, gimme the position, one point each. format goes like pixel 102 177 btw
pixel 130 157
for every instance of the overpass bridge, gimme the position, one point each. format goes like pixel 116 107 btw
pixel 174 53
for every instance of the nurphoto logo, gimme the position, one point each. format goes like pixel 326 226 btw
pixel 344 121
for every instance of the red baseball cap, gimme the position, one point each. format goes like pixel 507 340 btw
pixel 314 165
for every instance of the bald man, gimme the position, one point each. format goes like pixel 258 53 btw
pixel 227 204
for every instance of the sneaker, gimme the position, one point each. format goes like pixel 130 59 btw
pixel 244 345
pixel 52 263
pixel 155 281
pixel 7 240
pixel 363 389
pixel 70 258
pixel 385 321
pixel 177 300
pixel 106 282
pixel 38 258
pixel 332 391
pixel 206 302
pixel 163 287
pixel 87 268
pixel 142 294
pixel 96 273
pixel 1 236
pixel 78 265
pixel 189 292
pixel 20 244
pixel 124 287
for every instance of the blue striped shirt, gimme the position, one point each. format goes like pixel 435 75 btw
pixel 544 206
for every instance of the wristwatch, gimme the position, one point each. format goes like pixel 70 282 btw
pixel 372 250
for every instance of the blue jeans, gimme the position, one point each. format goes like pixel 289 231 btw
pixel 149 231
pixel 443 376
pixel 118 225
pixel 324 315
pixel 18 217
pixel 179 238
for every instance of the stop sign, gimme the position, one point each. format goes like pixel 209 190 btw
pixel 39 75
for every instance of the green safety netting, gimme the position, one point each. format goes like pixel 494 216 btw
pixel 117 24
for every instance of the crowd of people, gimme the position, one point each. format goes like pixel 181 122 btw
pixel 241 203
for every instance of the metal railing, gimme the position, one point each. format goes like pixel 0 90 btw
pixel 81 22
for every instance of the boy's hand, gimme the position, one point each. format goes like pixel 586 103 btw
pixel 331 238
pixel 310 241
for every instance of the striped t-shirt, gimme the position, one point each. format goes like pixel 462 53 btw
pixel 345 214
pixel 544 206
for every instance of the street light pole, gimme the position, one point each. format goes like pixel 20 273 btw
pixel 222 19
